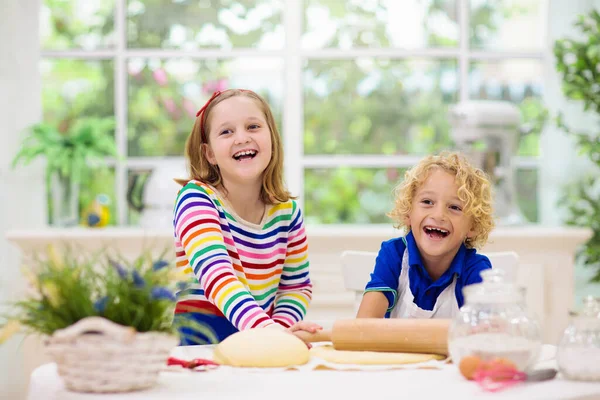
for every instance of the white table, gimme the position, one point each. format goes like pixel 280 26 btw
pixel 230 383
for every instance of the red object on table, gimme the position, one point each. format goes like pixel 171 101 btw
pixel 193 364
pixel 498 376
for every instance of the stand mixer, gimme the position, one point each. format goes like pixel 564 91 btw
pixel 487 133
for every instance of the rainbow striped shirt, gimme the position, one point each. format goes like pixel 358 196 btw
pixel 243 275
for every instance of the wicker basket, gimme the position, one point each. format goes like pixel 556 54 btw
pixel 97 355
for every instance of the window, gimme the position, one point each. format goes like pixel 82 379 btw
pixel 360 88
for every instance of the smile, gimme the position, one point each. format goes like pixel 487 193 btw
pixel 245 155
pixel 436 233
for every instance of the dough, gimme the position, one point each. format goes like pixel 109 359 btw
pixel 328 353
pixel 261 347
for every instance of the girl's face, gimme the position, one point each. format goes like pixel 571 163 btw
pixel 436 219
pixel 239 140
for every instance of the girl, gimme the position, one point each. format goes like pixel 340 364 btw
pixel 239 235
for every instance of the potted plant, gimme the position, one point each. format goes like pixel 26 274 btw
pixel 107 323
pixel 578 63
pixel 69 150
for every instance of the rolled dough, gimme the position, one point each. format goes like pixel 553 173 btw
pixel 328 353
pixel 261 347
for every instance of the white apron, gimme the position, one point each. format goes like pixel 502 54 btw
pixel 446 305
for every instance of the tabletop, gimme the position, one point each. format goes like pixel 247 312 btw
pixel 235 383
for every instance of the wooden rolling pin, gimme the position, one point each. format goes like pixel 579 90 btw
pixel 401 335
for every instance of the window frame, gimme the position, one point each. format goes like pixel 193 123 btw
pixel 293 122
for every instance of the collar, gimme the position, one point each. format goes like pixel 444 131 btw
pixel 414 256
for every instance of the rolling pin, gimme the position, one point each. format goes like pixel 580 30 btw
pixel 401 335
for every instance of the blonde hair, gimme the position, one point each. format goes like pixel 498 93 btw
pixel 273 190
pixel 474 189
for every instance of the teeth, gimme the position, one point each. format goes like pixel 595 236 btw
pixel 436 229
pixel 245 153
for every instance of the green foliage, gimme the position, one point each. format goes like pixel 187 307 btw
pixel 68 287
pixel 150 25
pixel 356 195
pixel 75 149
pixel 577 61
pixel 69 151
pixel 583 206
pixel 65 27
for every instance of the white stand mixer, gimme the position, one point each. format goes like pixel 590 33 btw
pixel 487 133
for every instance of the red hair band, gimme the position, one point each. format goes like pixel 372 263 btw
pixel 201 111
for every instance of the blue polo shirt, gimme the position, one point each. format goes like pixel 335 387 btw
pixel 467 265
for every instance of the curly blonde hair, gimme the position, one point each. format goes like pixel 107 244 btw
pixel 273 188
pixel 474 189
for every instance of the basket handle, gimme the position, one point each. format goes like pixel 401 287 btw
pixel 100 325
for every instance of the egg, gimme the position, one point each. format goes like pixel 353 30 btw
pixel 468 365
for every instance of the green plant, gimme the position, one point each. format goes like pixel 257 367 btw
pixel 69 148
pixel 68 287
pixel 578 63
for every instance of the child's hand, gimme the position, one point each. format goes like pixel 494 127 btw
pixel 304 326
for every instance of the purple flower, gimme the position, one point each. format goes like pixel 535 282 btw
pixel 160 264
pixel 160 293
pixel 120 270
pixel 138 281
pixel 100 305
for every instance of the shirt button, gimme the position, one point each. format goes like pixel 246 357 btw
pixel 428 292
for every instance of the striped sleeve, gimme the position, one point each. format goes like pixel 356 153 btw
pixel 295 288
pixel 198 227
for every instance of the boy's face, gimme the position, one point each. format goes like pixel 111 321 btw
pixel 436 219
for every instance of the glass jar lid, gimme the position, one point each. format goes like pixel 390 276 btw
pixel 590 308
pixel 494 288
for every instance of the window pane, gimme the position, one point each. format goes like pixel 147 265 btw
pixel 192 24
pixel 76 88
pixel 136 181
pixel 349 195
pixel 507 24
pixel 151 193
pixel 95 182
pixel 377 106
pixel 164 96
pixel 527 194
pixel 365 195
pixel 77 24
pixel 517 81
pixel 379 23
pixel 100 182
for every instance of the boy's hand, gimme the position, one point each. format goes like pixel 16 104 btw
pixel 305 326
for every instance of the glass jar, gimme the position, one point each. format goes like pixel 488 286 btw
pixel 578 354
pixel 494 323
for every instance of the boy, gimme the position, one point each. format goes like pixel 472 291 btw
pixel 445 205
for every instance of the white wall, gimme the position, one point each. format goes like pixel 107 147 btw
pixel 22 201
